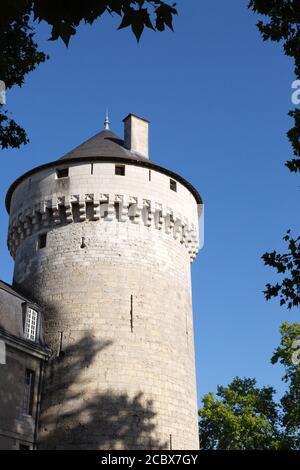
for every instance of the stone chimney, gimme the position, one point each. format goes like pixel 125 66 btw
pixel 136 130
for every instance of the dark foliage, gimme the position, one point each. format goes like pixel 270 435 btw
pixel 19 53
pixel 294 137
pixel 287 264
pixel 11 134
pixel 283 25
pixel 65 16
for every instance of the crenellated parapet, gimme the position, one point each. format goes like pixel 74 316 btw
pixel 98 208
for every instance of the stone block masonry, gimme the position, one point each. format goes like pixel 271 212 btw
pixel 112 273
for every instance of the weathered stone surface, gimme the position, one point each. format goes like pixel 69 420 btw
pixel 114 280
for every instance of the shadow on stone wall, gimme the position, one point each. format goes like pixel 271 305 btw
pixel 75 419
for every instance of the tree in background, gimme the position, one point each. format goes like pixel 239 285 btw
pixel 242 417
pixel 245 417
pixel 288 355
pixel 19 53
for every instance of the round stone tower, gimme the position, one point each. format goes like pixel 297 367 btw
pixel 103 240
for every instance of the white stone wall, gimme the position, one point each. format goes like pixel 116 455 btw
pixel 114 280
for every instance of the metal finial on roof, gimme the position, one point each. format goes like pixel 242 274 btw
pixel 106 122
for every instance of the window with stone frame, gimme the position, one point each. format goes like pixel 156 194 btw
pixel 30 324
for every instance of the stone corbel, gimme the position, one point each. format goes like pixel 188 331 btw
pixel 21 229
pixel 96 210
pixel 68 210
pixel 158 218
pixel 55 211
pixel 82 209
pixel 36 218
pixel 178 228
pixel 169 221
pixel 150 215
pixel 124 204
pixel 103 198
pixel 138 211
pixel 132 202
pixel 110 208
pixel 45 214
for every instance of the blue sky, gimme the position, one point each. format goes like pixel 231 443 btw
pixel 217 98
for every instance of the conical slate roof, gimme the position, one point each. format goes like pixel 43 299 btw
pixel 103 144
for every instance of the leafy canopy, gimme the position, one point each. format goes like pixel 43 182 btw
pixel 20 55
pixel 288 355
pixel 287 264
pixel 66 15
pixel 245 417
pixel 283 24
pixel 242 416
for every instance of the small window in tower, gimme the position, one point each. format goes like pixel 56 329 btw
pixel 42 240
pixel 28 396
pixel 173 185
pixel 120 170
pixel 62 172
pixel 30 324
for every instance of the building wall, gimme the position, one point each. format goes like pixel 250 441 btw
pixel 16 428
pixel 114 280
